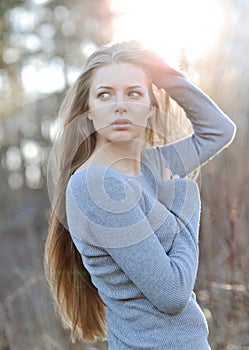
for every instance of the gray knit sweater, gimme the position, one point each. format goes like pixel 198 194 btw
pixel 138 236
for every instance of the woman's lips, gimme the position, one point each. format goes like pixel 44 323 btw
pixel 121 123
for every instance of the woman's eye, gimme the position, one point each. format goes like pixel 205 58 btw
pixel 104 95
pixel 134 94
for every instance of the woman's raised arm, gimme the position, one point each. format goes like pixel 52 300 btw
pixel 213 129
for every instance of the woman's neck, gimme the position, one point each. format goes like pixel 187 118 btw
pixel 124 157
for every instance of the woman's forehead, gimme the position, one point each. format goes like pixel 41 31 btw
pixel 119 74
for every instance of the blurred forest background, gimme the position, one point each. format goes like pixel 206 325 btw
pixel 44 44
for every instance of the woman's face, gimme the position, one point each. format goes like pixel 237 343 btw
pixel 119 102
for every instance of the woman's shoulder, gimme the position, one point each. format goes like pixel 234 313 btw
pixel 97 180
pixel 95 172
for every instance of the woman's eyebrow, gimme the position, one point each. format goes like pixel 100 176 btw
pixel 111 88
pixel 136 87
pixel 104 87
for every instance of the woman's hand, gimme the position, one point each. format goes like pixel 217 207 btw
pixel 167 175
pixel 158 68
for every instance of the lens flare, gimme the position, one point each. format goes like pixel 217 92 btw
pixel 170 27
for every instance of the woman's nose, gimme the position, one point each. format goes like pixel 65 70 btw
pixel 120 106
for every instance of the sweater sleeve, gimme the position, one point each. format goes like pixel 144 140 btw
pixel 213 130
pixel 166 280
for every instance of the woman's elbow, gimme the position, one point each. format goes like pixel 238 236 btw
pixel 177 309
pixel 229 132
pixel 174 306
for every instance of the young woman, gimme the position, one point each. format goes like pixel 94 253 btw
pixel 122 249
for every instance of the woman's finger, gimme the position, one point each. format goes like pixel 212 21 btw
pixel 166 174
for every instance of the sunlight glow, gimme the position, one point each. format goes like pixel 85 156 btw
pixel 170 27
pixel 44 77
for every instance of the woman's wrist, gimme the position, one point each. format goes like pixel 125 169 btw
pixel 160 71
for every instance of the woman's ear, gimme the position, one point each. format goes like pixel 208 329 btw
pixel 150 114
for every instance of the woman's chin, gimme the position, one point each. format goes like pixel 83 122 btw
pixel 125 135
pixel 125 138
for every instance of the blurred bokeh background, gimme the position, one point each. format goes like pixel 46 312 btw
pixel 44 44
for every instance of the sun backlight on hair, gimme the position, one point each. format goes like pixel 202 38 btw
pixel 168 26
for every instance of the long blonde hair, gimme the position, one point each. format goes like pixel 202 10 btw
pixel 76 298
